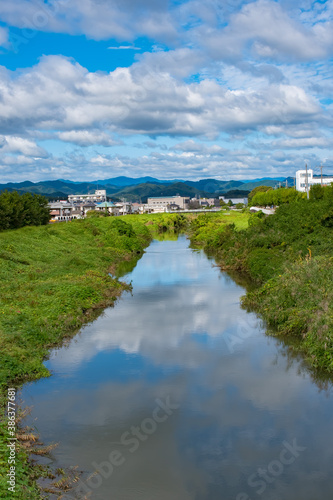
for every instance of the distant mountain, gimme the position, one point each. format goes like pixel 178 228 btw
pixel 213 185
pixel 249 185
pixel 123 181
pixel 263 179
pixel 146 190
pixel 134 189
pixel 49 188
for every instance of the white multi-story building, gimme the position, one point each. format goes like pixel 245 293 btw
pixel 302 185
pixel 98 196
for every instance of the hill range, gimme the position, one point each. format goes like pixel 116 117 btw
pixel 139 189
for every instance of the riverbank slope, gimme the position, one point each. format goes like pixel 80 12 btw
pixel 54 279
pixel 289 256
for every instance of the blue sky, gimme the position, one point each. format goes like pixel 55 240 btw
pixel 231 89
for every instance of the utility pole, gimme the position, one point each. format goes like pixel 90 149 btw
pixel 321 176
pixel 307 181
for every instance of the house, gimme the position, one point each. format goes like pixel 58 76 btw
pixel 86 207
pixel 109 206
pixel 139 208
pixel 63 211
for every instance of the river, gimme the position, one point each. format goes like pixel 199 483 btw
pixel 176 393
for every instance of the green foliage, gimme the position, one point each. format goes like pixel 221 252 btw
pixel 54 279
pixel 95 214
pixel 289 256
pixel 209 229
pixel 316 192
pixel 258 189
pixel 256 218
pixel 299 303
pixel 22 210
pixel 275 197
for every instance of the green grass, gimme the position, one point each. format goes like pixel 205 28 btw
pixel 54 279
pixel 299 303
pixel 206 229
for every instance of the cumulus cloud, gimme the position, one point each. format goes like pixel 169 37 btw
pixel 229 83
pixel 271 33
pixel 87 138
pixel 20 145
pixel 59 94
pixel 98 19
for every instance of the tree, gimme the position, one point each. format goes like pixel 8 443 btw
pixel 258 189
pixel 18 210
pixel 316 192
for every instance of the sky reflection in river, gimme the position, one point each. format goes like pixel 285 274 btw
pixel 182 335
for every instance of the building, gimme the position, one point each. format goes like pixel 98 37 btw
pixel 139 208
pixel 63 211
pixel 209 202
pixel 234 201
pixel 108 206
pixel 86 207
pixel 163 203
pixel 303 186
pixel 114 208
pixel 98 196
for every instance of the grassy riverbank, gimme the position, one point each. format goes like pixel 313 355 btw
pixel 289 256
pixel 53 279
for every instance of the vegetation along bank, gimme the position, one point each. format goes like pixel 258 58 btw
pixel 54 278
pixel 290 257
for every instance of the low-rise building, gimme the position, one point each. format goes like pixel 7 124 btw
pixel 63 211
pixel 163 203
pixel 209 202
pixel 107 206
pixel 234 201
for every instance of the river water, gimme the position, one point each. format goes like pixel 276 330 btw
pixel 176 393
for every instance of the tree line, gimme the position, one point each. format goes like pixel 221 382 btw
pixel 266 196
pixel 19 210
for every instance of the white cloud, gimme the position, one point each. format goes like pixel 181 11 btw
pixel 235 72
pixel 87 138
pixel 97 19
pixel 59 94
pixel 3 37
pixel 124 47
pixel 271 33
pixel 19 145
